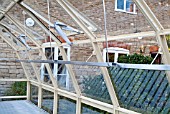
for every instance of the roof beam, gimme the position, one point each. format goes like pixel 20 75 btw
pixel 118 37
pixel 91 25
pixel 30 36
pixel 9 41
pixel 13 36
pixel 14 21
pixel 9 7
pixel 44 19
pixel 123 37
pixel 58 44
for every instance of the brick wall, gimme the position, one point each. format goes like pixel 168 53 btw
pixel 123 23
pixel 117 23
pixel 8 69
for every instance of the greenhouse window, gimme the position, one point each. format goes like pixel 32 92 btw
pixel 114 53
pixel 60 71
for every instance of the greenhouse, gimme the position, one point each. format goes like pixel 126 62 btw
pixel 84 57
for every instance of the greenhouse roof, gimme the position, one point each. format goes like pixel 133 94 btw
pixel 145 91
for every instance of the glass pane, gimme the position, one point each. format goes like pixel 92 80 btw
pixel 34 94
pixel 63 78
pixel 161 10
pixel 9 69
pixel 28 25
pixel 49 52
pixel 36 56
pixel 4 4
pixel 47 101
pixel 120 4
pixel 13 89
pixel 56 16
pixel 1 14
pixel 91 110
pixel 66 106
pixel 28 66
pixel 145 91
pixel 91 82
pixel 60 71
pixel 10 37
pixel 111 57
pixel 129 6
pixel 20 36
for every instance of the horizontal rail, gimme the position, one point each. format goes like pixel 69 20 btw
pixel 88 101
pixel 123 37
pixel 12 97
pixel 13 80
pixel 144 66
pixel 100 64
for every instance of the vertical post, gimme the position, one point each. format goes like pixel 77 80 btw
pixel 28 90
pixel 55 105
pixel 166 56
pixel 40 96
pixel 78 106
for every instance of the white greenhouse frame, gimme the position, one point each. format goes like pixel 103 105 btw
pixel 159 32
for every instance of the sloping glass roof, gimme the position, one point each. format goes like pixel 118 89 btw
pixel 139 90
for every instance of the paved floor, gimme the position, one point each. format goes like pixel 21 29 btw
pixel 19 107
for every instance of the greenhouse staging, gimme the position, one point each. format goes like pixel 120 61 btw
pixel 84 57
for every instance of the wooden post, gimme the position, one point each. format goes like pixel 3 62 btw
pixel 28 90
pixel 40 96
pixel 78 106
pixel 55 105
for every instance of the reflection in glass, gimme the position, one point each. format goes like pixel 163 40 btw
pixel 91 110
pixel 120 4
pixel 34 94
pixel 66 106
pixel 47 101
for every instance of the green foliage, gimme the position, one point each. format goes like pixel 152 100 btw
pixel 17 89
pixel 135 59
pixel 168 40
pixel 86 109
pixel 50 111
